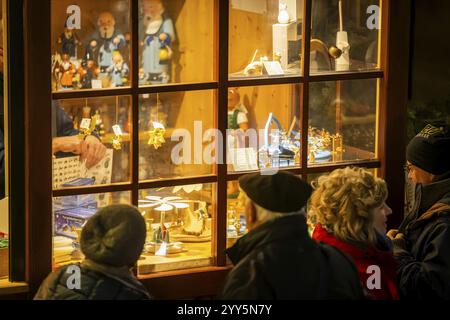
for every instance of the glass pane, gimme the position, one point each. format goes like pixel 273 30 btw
pixel 91 141
pixel 263 127
pixel 176 41
pixel 179 227
pixel 344 35
pixel 173 134
pixel 90 44
pixel 69 216
pixel 265 38
pixel 236 223
pixel 342 121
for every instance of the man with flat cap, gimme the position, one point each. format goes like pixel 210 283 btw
pixel 422 243
pixel 277 259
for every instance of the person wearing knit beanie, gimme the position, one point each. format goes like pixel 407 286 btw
pixel 114 236
pixel 112 241
pixel 428 154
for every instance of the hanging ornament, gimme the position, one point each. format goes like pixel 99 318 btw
pixel 87 125
pixel 118 137
pixel 157 134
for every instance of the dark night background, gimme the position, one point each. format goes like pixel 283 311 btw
pixel 429 94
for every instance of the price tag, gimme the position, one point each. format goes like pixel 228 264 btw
pixel 97 84
pixel 85 124
pixel 273 68
pixel 244 159
pixel 117 130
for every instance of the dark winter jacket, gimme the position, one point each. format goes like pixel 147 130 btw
pixel 279 260
pixel 97 282
pixel 424 254
pixel 365 258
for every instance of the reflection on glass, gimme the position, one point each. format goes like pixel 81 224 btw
pixel 174 134
pixel 173 35
pixel 179 222
pixel 344 37
pixel 90 44
pixel 265 38
pixel 342 120
pixel 69 216
pixel 91 141
pixel 236 223
pixel 263 127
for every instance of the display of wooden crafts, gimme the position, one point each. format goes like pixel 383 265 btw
pixel 163 205
pixel 104 42
pixel 195 221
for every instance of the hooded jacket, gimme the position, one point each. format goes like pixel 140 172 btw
pixel 279 261
pixel 424 253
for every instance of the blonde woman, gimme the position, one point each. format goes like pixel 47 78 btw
pixel 348 211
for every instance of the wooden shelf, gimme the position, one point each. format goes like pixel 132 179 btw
pixel 10 288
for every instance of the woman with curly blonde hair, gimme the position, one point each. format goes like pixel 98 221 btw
pixel 348 211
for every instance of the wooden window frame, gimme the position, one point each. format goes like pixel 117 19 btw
pixel 37 182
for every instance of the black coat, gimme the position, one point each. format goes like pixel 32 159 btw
pixel 424 255
pixel 94 285
pixel 279 260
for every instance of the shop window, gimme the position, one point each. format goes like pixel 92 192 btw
pixel 265 39
pixel 342 121
pixel 344 36
pixel 176 134
pixel 179 227
pixel 91 141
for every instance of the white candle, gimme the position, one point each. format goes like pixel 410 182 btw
pixel 341 23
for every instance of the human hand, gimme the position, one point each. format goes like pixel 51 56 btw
pixel 399 242
pixel 92 151
pixel 392 234
pixel 71 144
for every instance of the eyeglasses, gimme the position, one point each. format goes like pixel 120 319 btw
pixel 408 167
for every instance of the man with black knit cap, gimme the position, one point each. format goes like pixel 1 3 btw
pixel 112 241
pixel 277 259
pixel 422 243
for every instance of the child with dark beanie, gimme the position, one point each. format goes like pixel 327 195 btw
pixel 422 243
pixel 112 241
